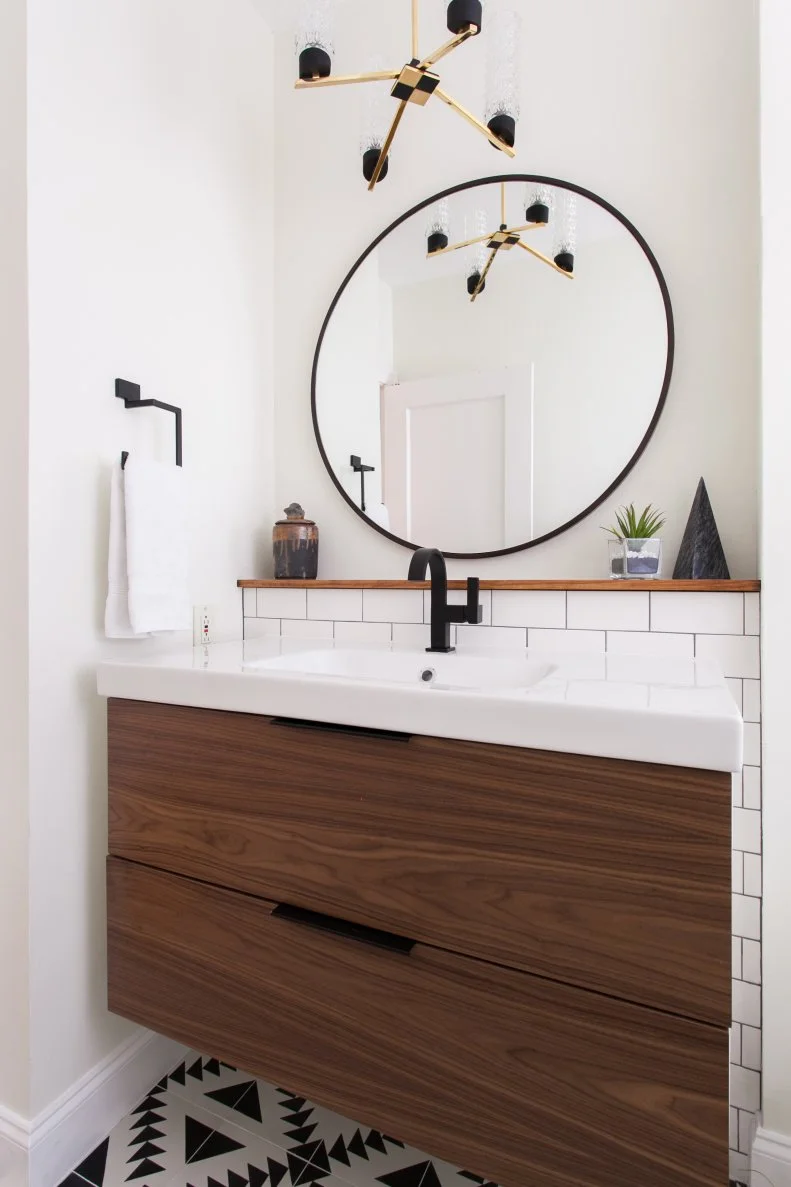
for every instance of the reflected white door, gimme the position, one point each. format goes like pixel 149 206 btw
pixel 457 460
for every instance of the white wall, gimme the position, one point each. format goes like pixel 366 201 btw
pixel 14 1072
pixel 776 570
pixel 656 109
pixel 150 212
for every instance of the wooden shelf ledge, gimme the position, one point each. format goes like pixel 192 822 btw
pixel 613 586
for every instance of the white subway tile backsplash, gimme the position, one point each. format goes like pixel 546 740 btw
pixel 747 1124
pixel 751 962
pixel 698 613
pixel 249 601
pixel 745 1088
pixel 261 628
pixel 608 611
pixel 363 632
pixel 305 628
pixel 751 1048
pixel 737 872
pixel 650 643
pixel 544 642
pixel 752 874
pixel 736 790
pixel 752 744
pixel 736 957
pixel 733 1128
pixel 752 614
pixel 746 830
pixel 536 608
pixel 746 917
pixel 751 700
pixel 393 605
pixel 475 637
pixel 344 605
pixel 735 1043
pixel 751 779
pixel 735 655
pixel 411 635
pixel 738 1167
pixel 457 597
pixel 746 1003
pixel 282 603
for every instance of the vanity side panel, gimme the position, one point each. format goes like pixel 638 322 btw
pixel 569 1087
pixel 613 876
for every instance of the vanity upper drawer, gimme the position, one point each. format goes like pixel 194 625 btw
pixel 508 1075
pixel 611 875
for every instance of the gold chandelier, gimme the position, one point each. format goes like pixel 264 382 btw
pixel 415 83
pixel 539 207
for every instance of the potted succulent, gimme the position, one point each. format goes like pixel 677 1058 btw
pixel 636 547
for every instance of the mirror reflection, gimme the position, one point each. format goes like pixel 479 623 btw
pixel 492 366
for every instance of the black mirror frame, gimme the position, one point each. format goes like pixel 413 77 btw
pixel 671 348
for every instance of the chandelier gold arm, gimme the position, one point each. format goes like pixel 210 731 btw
pixel 388 142
pixel 484 274
pixel 342 80
pixel 503 219
pixel 458 246
pixel 526 227
pixel 448 47
pixel 470 118
pixel 546 260
pixel 415 28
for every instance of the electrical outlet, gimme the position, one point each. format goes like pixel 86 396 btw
pixel 201 626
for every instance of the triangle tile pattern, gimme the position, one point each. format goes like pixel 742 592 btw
pixel 209 1124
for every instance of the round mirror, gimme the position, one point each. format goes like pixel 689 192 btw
pixel 493 366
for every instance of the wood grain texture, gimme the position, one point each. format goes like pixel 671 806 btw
pixel 613 876
pixel 569 1088
pixel 654 586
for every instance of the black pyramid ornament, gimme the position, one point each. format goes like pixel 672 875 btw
pixel 701 556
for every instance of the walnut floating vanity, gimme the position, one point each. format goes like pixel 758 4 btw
pixel 397 924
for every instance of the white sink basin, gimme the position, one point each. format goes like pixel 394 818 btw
pixel 629 707
pixel 421 669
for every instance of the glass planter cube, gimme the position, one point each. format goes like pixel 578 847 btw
pixel 643 558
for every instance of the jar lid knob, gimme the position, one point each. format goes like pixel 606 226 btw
pixel 294 511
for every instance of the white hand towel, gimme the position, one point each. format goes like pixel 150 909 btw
pixel 116 612
pixel 157 555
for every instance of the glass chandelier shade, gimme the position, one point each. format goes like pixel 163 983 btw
pixel 438 228
pixel 313 41
pixel 539 203
pixel 477 256
pixel 377 115
pixel 566 233
pixel 503 74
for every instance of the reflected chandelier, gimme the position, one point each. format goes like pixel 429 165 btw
pixel 539 206
pixel 416 82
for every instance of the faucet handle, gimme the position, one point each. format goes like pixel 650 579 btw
pixel 474 610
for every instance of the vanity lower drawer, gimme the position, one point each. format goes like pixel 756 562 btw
pixel 509 1075
pixel 614 876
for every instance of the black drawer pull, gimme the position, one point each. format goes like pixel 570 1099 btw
pixel 342 927
pixel 359 731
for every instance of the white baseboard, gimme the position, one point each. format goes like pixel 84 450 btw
pixel 770 1161
pixel 40 1153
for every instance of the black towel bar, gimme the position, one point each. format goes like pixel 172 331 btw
pixel 130 394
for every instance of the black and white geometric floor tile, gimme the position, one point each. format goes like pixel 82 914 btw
pixel 209 1125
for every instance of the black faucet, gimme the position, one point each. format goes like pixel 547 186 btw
pixel 442 615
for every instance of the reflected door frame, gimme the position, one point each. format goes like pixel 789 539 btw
pixel 515 386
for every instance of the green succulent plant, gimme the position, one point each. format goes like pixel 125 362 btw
pixel 634 527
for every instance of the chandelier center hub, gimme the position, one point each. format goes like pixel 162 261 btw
pixel 415 85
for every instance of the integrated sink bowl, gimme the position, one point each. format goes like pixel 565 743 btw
pixel 416 668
